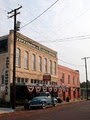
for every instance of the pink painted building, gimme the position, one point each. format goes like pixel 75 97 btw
pixel 68 82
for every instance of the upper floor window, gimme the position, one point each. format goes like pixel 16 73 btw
pixel 50 66
pixel 33 62
pixel 77 81
pixel 45 65
pixel 26 57
pixel 68 79
pixel 73 80
pixel 63 77
pixel 18 57
pixel 54 68
pixel 40 63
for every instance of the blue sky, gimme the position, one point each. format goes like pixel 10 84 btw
pixel 60 28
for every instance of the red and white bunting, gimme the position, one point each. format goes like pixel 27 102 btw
pixel 50 89
pixel 67 89
pixel 60 89
pixel 38 89
pixel 30 88
pixel 44 89
pixel 55 89
pixel 64 89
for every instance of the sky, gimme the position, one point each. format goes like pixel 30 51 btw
pixel 65 28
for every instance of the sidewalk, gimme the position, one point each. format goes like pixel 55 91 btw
pixel 6 110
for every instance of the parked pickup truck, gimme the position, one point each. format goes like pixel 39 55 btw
pixel 42 101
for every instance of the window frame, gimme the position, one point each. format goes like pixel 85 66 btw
pixel 18 57
pixel 33 62
pixel 26 60
pixel 40 63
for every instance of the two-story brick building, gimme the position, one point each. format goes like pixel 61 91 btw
pixel 37 70
pixel 68 82
pixel 36 67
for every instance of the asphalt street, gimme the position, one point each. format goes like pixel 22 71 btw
pixel 73 111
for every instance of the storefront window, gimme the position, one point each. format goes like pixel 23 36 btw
pixel 18 80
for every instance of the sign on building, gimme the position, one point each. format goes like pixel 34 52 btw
pixel 47 77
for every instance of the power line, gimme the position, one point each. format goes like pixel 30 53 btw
pixel 74 19
pixel 69 63
pixel 40 14
pixel 68 39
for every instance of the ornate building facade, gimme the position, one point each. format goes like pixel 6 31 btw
pixel 36 67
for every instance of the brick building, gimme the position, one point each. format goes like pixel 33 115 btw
pixel 36 67
pixel 68 82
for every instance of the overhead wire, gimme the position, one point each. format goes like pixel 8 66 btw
pixel 68 39
pixel 74 19
pixel 70 63
pixel 40 14
pixel 35 19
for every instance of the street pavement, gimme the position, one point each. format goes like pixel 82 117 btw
pixel 21 108
pixel 77 110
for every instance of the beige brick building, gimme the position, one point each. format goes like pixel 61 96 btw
pixel 33 62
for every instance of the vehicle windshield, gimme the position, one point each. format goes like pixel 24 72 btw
pixel 37 98
pixel 44 94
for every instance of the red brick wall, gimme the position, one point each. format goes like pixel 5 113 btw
pixel 72 86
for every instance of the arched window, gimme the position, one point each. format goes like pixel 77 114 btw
pixel 54 68
pixel 45 65
pixel 50 66
pixel 33 62
pixel 40 63
pixel 18 57
pixel 26 57
pixel 73 80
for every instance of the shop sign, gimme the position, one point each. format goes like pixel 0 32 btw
pixel 6 75
pixel 47 77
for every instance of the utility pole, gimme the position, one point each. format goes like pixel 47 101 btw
pixel 85 58
pixel 15 13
